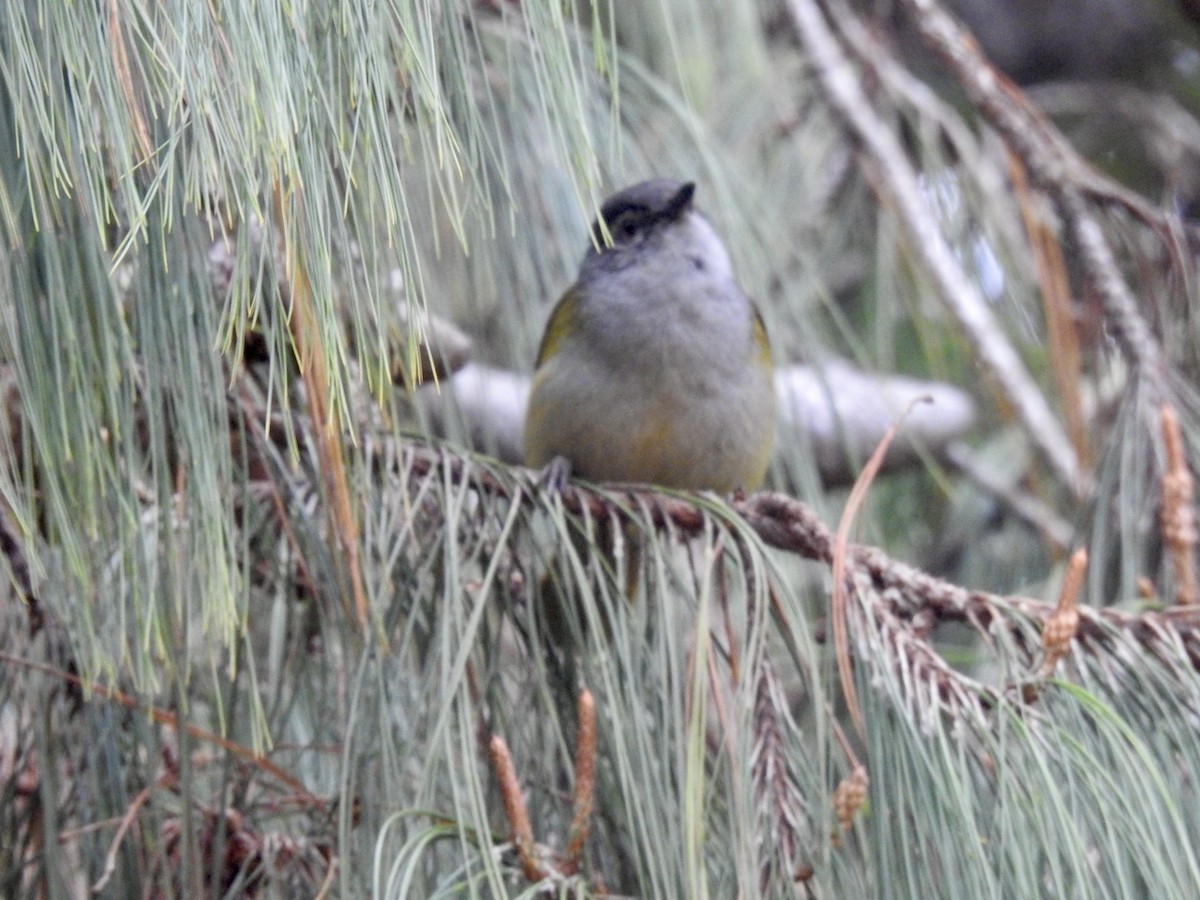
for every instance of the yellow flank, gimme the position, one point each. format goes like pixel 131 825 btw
pixel 762 343
pixel 559 326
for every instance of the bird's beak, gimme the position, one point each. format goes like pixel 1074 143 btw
pixel 681 202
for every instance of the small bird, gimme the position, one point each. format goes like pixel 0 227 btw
pixel 654 367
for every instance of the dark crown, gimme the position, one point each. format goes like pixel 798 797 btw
pixel 641 207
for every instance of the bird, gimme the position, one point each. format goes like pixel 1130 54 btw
pixel 654 366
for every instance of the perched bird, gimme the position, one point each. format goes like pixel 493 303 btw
pixel 654 366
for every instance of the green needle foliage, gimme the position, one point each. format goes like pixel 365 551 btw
pixel 264 636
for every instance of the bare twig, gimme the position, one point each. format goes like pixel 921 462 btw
pixel 1060 628
pixel 1178 513
pixel 841 583
pixel 311 358
pixel 1061 334
pixel 585 783
pixel 515 808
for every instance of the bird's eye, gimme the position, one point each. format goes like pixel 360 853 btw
pixel 623 226
pixel 624 222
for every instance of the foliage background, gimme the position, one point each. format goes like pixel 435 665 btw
pixel 259 635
